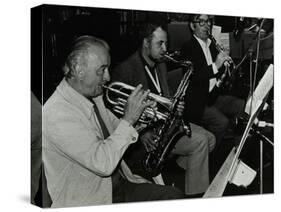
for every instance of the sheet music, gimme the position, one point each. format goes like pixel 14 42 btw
pixel 264 86
pixel 216 32
pixel 224 42
pixel 222 38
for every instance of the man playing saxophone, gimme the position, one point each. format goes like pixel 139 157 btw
pixel 147 66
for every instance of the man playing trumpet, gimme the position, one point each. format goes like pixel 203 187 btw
pixel 83 142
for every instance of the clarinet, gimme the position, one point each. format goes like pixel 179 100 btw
pixel 226 63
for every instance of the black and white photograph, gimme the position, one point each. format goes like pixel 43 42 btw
pixel 149 105
pixel 140 105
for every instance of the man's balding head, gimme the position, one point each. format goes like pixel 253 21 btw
pixel 86 67
pixel 79 53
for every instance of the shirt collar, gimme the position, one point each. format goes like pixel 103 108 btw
pixel 203 43
pixel 75 98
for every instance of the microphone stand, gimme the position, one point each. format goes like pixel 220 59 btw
pixel 252 85
pixel 261 142
pixel 262 138
pixel 251 91
pixel 249 54
pixel 251 48
pixel 252 81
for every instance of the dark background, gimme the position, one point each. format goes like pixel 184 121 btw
pixel 62 24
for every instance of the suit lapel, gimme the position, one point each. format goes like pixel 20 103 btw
pixel 199 52
pixel 213 51
pixel 140 76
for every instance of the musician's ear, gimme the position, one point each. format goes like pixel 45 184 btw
pixel 146 42
pixel 192 27
pixel 79 72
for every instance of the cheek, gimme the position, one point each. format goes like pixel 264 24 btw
pixel 156 51
pixel 90 81
pixel 199 32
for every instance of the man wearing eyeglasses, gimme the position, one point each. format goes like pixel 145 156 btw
pixel 205 107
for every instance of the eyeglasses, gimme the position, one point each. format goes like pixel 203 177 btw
pixel 202 22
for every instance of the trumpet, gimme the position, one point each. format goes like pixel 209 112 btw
pixel 118 92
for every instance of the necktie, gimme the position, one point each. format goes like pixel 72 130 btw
pixel 102 124
pixel 116 175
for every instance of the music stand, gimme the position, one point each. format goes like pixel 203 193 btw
pixel 229 168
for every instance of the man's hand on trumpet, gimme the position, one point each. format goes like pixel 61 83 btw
pixel 136 103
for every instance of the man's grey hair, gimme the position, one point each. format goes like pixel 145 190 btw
pixel 79 53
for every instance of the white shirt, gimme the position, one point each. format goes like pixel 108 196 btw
pixel 205 47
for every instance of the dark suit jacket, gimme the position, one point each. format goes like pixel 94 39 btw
pixel 132 72
pixel 197 96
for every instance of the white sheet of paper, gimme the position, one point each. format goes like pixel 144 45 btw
pixel 224 42
pixel 243 175
pixel 264 86
pixel 216 31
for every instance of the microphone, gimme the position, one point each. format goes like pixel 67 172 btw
pixel 259 123
pixel 265 124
